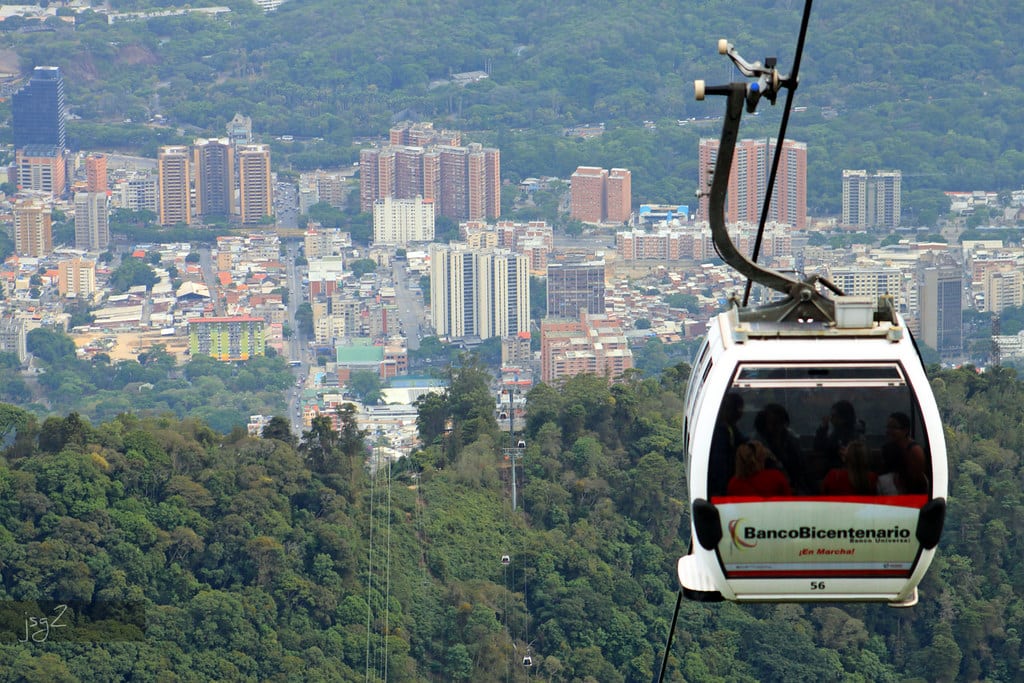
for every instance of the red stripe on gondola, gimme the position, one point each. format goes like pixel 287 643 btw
pixel 827 573
pixel 915 501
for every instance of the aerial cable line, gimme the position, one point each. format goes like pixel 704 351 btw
pixel 791 84
pixel 767 84
pixel 371 653
pixel 387 573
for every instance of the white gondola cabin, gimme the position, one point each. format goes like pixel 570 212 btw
pixel 816 459
pixel 812 544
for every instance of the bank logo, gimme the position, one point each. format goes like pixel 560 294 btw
pixel 734 533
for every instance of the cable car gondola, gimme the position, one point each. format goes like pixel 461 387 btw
pixel 822 403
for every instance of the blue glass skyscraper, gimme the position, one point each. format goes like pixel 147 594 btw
pixel 39 110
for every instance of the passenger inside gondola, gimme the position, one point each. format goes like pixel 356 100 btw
pixel 782 405
pixel 836 430
pixel 903 460
pixel 724 440
pixel 772 426
pixel 855 477
pixel 753 475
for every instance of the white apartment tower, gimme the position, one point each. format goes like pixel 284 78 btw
pixel 400 221
pixel 872 200
pixel 92 221
pixel 478 293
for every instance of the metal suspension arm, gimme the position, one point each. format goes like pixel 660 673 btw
pixel 803 301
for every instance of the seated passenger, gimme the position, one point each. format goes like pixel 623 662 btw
pixel 752 478
pixel 724 440
pixel 854 478
pixel 837 429
pixel 903 459
pixel 772 426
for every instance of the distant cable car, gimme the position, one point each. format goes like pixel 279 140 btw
pixel 506 560
pixel 815 453
pixel 521 444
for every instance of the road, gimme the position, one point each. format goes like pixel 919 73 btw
pixel 210 278
pixel 286 205
pixel 297 347
pixel 410 305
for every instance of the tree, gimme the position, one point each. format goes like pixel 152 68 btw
pixel 326 215
pixel 304 319
pixel 279 428
pixel 48 345
pixel 538 297
pixel 366 385
pixel 320 444
pixel 432 415
pixel 131 273
pixel 688 302
pixel 361 267
pixel 12 420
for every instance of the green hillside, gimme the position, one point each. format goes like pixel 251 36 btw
pixel 254 560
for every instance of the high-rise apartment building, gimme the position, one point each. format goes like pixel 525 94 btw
pixel 376 176
pixel 174 188
pixel 92 221
pixel 1003 289
pixel 940 304
pixel 96 173
pixel 42 168
pixel 748 181
pixel 601 196
pixel 454 195
pixel 575 286
pixel 401 221
pixel 255 185
pixel 887 195
pixel 408 172
pixel 38 110
pixel 33 234
pixel 587 194
pixel 76 278
pixel 464 182
pixel 872 200
pixel 855 198
pixel 618 196
pixel 481 293
pixel 213 162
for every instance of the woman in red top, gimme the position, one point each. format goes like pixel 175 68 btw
pixel 854 478
pixel 753 478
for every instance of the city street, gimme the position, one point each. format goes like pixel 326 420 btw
pixel 410 306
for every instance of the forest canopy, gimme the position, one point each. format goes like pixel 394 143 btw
pixel 259 559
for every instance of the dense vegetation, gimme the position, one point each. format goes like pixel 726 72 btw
pixel 257 560
pixel 882 87
pixel 223 395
